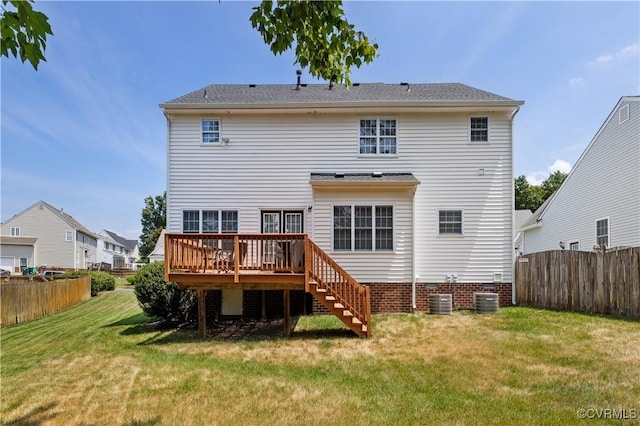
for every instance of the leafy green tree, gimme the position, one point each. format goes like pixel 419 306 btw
pixel 325 41
pixel 154 219
pixel 161 299
pixel 552 183
pixel 24 31
pixel 531 197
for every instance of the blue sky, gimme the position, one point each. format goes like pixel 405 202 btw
pixel 85 132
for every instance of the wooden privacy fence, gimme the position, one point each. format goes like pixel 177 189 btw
pixel 24 301
pixel 592 282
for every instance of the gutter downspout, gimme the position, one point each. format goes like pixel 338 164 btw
pixel 167 192
pixel 413 251
pixel 513 214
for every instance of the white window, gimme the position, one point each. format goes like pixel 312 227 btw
pixel 574 246
pixel 450 222
pixel 68 236
pixel 378 136
pixel 479 129
pixel 213 221
pixel 210 130
pixel 363 228
pixel 602 232
pixel 623 114
pixel 15 232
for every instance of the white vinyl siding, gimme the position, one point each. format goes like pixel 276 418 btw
pixel 267 166
pixel 605 182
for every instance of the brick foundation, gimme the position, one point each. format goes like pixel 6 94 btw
pixel 385 297
pixel 396 297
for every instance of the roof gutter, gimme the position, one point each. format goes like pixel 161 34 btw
pixel 532 226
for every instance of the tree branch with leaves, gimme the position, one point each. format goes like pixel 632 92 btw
pixel 325 41
pixel 24 31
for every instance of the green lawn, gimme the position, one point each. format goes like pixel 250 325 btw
pixel 97 363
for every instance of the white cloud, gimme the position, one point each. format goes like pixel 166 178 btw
pixel 536 178
pixel 560 165
pixel 576 82
pixel 610 58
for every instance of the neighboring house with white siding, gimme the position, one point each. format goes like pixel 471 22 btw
pixel 117 251
pixel 409 187
pixel 598 204
pixel 43 235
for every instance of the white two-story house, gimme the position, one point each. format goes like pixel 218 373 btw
pixel 407 187
pixel 598 204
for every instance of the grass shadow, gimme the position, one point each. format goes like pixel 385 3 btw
pixel 150 422
pixel 39 415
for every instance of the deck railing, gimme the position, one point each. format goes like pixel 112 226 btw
pixel 232 253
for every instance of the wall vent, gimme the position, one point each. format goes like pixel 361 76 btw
pixel 440 304
pixel 485 303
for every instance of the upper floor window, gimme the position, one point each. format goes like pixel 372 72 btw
pixel 363 228
pixel 574 246
pixel 15 231
pixel 210 130
pixel 450 222
pixel 479 129
pixel 378 136
pixel 602 232
pixel 68 236
pixel 210 221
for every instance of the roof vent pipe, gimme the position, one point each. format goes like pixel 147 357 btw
pixel 299 74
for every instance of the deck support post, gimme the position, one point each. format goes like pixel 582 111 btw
pixel 202 313
pixel 263 315
pixel 287 314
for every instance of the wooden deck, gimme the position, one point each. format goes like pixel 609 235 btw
pixel 266 262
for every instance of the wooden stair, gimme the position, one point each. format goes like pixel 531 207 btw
pixel 335 289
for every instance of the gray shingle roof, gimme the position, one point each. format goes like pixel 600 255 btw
pixel 18 241
pixel 130 244
pixel 270 94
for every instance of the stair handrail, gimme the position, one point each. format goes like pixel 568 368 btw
pixel 348 291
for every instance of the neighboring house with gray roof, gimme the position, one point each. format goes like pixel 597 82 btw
pixel 403 185
pixel 598 204
pixel 43 235
pixel 117 251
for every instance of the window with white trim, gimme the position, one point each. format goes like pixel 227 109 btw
pixel 378 136
pixel 450 222
pixel 210 130
pixel 15 231
pixel 574 246
pixel 210 221
pixel 68 236
pixel 479 129
pixel 602 232
pixel 363 228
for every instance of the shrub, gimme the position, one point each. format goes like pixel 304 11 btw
pixel 101 281
pixel 162 299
